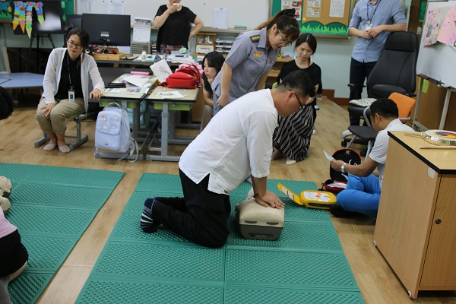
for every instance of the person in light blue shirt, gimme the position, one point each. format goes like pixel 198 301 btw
pixel 252 56
pixel 372 22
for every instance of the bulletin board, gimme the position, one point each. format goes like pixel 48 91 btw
pixel 320 17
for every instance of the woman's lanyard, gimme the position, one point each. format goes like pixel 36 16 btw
pixel 369 20
pixel 74 73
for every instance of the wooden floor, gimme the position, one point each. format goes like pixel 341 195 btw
pixel 377 282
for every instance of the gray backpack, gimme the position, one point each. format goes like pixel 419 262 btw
pixel 112 131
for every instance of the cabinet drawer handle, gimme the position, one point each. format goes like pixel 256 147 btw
pixel 438 221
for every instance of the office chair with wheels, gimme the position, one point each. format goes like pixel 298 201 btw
pixel 79 138
pixel 395 70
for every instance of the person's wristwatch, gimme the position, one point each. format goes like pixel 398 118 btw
pixel 342 168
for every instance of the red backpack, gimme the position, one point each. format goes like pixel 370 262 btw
pixel 186 76
pixel 181 80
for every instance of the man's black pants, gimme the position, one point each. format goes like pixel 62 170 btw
pixel 201 216
pixel 359 71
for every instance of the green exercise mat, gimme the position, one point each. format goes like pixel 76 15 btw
pixel 305 265
pixel 52 207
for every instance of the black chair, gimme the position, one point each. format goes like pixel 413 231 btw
pixel 366 133
pixel 395 70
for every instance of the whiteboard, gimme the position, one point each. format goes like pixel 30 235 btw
pixel 249 13
pixel 437 61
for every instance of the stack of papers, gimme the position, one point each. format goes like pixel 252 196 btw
pixel 180 58
pixel 135 85
pixel 170 94
pixel 328 156
pixel 161 69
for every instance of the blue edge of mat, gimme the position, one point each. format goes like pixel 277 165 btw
pixel 305 265
pixel 52 207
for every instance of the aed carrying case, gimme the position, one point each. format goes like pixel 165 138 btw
pixel 310 198
pixel 258 222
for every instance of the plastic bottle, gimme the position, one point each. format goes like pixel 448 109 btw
pixel 143 56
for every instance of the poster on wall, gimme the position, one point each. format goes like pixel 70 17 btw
pixel 440 26
pixel 297 5
pixel 336 9
pixel 448 27
pixel 23 13
pixel 313 9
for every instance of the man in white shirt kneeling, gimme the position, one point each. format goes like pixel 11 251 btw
pixel 237 143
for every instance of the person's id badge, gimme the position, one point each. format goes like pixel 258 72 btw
pixel 368 25
pixel 71 96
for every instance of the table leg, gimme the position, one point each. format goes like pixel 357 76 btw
pixel 164 131
pixel 165 123
pixel 445 109
pixel 173 139
pixel 418 100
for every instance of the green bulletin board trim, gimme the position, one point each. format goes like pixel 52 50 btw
pixel 314 27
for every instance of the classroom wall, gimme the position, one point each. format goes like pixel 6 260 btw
pixel 333 56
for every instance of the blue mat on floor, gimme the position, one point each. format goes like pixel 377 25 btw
pixel 52 207
pixel 305 265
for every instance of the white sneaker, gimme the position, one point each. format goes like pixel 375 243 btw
pixel 314 131
pixel 316 107
pixel 346 133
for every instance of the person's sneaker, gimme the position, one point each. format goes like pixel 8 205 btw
pixel 316 107
pixel 314 131
pixel 319 97
pixel 346 133
pixel 147 223
pixel 290 161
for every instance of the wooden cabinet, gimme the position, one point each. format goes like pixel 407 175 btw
pixel 205 43
pixel 431 105
pixel 416 222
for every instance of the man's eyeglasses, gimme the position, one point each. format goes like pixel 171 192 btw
pixel 285 41
pixel 75 45
pixel 300 104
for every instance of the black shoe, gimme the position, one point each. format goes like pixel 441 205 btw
pixel 338 211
